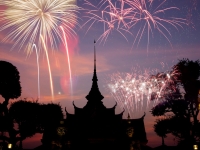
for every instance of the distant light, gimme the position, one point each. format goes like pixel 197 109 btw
pixel 195 147
pixel 61 122
pixel 59 93
pixel 9 146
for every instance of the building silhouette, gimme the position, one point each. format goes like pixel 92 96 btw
pixel 95 127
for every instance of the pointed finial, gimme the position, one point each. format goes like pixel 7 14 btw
pixel 94 56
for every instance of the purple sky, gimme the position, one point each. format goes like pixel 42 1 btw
pixel 115 55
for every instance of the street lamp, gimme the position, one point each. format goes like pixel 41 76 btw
pixel 195 147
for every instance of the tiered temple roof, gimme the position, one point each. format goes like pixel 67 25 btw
pixel 96 127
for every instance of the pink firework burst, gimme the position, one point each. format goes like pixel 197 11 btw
pixel 114 16
pixel 139 90
pixel 139 18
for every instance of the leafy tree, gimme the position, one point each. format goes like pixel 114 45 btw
pixel 189 79
pixel 176 106
pixel 184 107
pixel 33 117
pixel 50 116
pixel 50 113
pixel 179 127
pixel 2 124
pixel 10 88
pixel 162 128
pixel 25 114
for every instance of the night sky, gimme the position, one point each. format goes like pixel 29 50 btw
pixel 116 53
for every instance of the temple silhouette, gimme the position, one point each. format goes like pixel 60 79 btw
pixel 95 127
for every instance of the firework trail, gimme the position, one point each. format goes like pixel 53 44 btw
pixel 149 17
pixel 134 17
pixel 135 91
pixel 68 58
pixel 112 18
pixel 38 69
pixel 50 76
pixel 28 19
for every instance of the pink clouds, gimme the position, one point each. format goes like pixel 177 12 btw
pixel 27 66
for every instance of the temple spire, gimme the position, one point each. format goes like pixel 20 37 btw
pixel 94 92
pixel 94 55
pixel 95 73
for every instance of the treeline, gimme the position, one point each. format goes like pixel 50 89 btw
pixel 23 118
pixel 180 106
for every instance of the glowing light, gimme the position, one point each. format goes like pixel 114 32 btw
pixel 9 146
pixel 195 147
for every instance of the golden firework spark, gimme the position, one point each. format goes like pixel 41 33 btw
pixel 26 20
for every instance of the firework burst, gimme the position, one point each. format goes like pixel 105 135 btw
pixel 37 22
pixel 137 17
pixel 113 16
pixel 150 17
pixel 28 19
pixel 135 91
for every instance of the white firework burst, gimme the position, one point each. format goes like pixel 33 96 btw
pixel 26 20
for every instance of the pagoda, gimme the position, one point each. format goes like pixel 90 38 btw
pixel 95 127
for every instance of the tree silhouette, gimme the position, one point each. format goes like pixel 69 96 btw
pixel 179 127
pixel 50 116
pixel 10 88
pixel 189 79
pixel 177 106
pixel 25 114
pixel 33 117
pixel 162 128
pixel 2 124
pixel 50 113
pixel 185 108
